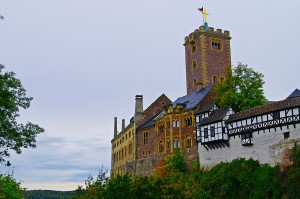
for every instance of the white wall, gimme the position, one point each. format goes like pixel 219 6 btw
pixel 267 147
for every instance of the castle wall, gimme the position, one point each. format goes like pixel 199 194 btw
pixel 268 147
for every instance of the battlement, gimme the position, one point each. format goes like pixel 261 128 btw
pixel 202 31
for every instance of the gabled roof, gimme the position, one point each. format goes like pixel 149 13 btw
pixel 205 108
pixel 287 103
pixel 295 93
pixel 191 100
pixel 216 116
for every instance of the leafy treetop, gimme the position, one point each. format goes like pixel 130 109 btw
pixel 13 135
pixel 242 89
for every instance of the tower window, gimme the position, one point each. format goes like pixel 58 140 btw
pixel 222 79
pixel 216 44
pixel 194 65
pixel 194 48
pixel 195 82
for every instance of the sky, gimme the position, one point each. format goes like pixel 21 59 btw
pixel 83 62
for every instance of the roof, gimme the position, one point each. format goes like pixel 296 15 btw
pixel 215 116
pixel 149 123
pixel 191 100
pixel 287 103
pixel 205 108
pixel 295 93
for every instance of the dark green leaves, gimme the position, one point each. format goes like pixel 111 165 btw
pixel 13 135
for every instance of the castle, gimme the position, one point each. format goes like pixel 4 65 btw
pixel 196 126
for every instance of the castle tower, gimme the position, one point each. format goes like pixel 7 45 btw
pixel 207 57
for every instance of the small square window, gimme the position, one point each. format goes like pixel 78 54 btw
pixel 276 115
pixel 286 135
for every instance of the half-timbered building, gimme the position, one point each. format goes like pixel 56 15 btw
pixel 265 133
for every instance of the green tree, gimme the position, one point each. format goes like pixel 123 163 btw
pixel 13 135
pixel 242 89
pixel 9 188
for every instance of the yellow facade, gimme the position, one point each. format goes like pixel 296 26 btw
pixel 123 151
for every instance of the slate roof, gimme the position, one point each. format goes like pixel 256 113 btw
pixel 287 103
pixel 295 93
pixel 205 108
pixel 149 123
pixel 215 116
pixel 191 100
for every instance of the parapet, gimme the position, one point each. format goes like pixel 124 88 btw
pixel 202 31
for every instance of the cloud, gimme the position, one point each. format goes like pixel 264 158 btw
pixel 61 160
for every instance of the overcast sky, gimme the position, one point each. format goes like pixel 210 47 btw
pixel 83 62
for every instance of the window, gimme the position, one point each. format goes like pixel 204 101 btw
pixel 222 79
pixel 188 121
pixel 176 123
pixel 247 139
pixel 168 124
pixel 215 79
pixel 195 82
pixel 130 149
pixel 129 134
pixel 188 142
pixel 286 135
pixel 146 137
pixel 194 48
pixel 161 128
pixel 176 143
pixel 168 144
pixel 216 44
pixel 161 146
pixel 194 64
pixel 205 132
pixel 126 136
pixel 212 131
pixel 276 115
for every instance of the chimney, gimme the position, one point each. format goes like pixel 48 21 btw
pixel 123 124
pixel 138 104
pixel 115 127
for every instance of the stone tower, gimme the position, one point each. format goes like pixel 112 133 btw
pixel 207 57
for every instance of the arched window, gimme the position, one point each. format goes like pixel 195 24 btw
pixel 176 143
pixel 168 144
pixel 194 65
pixel 222 79
pixel 215 79
pixel 161 146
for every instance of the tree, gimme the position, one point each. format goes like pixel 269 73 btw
pixel 13 135
pixel 242 89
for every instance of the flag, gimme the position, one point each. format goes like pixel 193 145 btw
pixel 200 9
pixel 1 17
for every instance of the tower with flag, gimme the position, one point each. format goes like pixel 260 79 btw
pixel 207 54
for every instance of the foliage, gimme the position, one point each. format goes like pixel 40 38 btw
pixel 9 188
pixel 14 135
pixel 291 177
pixel 240 178
pixel 48 194
pixel 242 89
